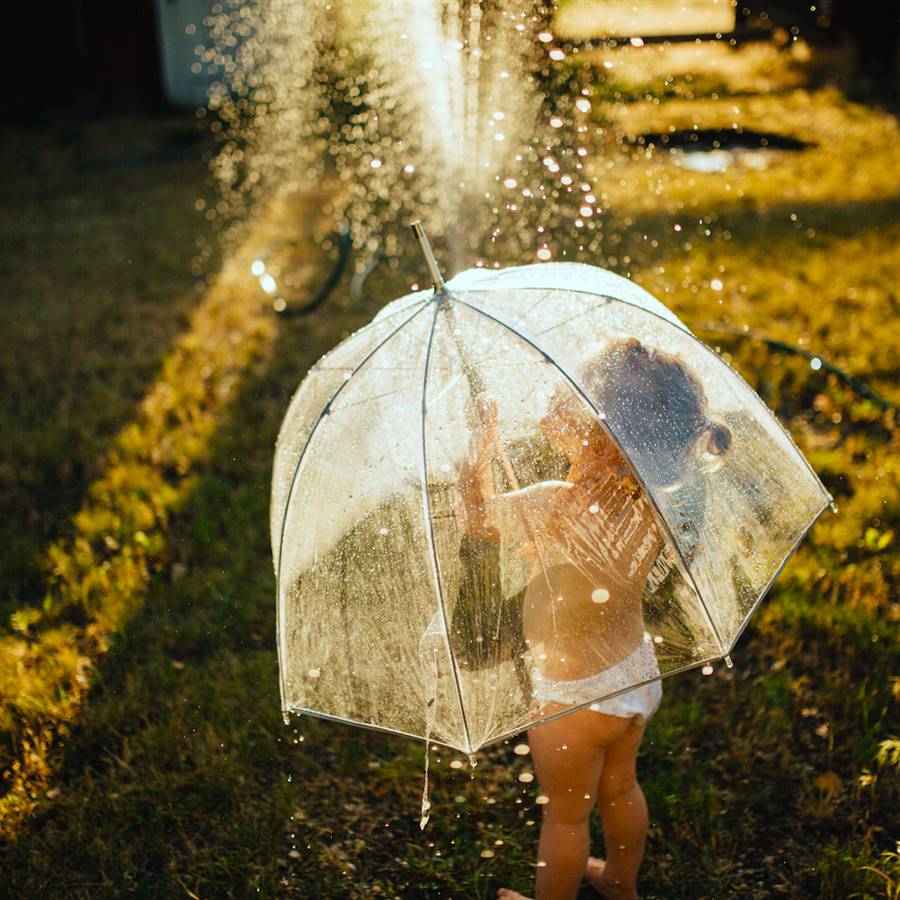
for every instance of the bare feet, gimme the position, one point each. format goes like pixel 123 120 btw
pixel 595 872
pixel 507 894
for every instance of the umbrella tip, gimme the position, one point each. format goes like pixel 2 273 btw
pixel 436 278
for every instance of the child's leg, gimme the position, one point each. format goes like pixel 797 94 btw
pixel 568 759
pixel 568 769
pixel 623 809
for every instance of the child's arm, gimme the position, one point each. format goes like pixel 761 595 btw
pixel 474 518
pixel 476 480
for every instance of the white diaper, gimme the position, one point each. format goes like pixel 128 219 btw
pixel 640 703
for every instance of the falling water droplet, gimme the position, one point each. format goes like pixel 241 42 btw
pixel 707 669
pixel 473 762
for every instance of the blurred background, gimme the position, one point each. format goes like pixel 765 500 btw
pixel 202 198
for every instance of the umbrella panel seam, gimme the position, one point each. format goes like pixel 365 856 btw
pixel 429 528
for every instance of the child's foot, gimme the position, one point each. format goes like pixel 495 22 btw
pixel 595 872
pixel 507 894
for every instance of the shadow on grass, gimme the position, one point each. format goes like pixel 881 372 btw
pixel 97 263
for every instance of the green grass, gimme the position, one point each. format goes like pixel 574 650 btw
pixel 141 736
pixel 98 240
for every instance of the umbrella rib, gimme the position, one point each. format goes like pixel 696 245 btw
pixel 287 503
pixel 429 530
pixel 709 619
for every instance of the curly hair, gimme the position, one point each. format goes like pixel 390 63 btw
pixel 653 397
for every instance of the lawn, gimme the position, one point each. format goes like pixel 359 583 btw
pixel 145 378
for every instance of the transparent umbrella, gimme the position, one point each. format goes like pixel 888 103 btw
pixel 522 474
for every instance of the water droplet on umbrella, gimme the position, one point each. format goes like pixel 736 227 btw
pixel 600 595
pixel 815 363
pixel 258 267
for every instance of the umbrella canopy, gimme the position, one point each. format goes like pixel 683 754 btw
pixel 633 490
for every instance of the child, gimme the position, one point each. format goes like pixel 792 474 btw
pixel 593 540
